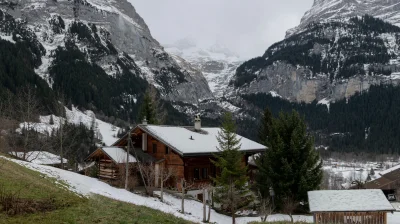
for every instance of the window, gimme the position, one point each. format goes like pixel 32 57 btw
pixel 204 173
pixel 196 173
pixel 166 150
pixel 200 174
pixel 154 148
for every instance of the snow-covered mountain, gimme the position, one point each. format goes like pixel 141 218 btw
pixel 108 34
pixel 328 10
pixel 334 53
pixel 216 62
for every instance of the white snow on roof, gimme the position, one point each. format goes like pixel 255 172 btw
pixel 348 200
pixel 179 138
pixel 118 154
pixel 39 157
pixel 390 170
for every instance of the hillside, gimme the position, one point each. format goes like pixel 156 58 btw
pixel 80 194
pixel 64 206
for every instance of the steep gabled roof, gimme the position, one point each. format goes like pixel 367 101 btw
pixel 187 142
pixel 116 154
pixel 348 201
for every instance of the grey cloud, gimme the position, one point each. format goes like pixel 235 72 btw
pixel 247 27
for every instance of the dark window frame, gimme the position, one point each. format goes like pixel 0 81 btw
pixel 167 151
pixel 154 148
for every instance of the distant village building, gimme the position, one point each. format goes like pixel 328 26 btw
pixel 349 206
pixel 388 182
pixel 41 158
pixel 187 150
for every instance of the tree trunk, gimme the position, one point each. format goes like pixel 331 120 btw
pixel 209 205
pixel 162 187
pixel 127 161
pixel 291 218
pixel 61 143
pixel 233 217
pixel 183 197
pixel 204 206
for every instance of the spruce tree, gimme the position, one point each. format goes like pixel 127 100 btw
pixel 291 166
pixel 265 127
pixel 231 182
pixel 147 110
pixel 264 133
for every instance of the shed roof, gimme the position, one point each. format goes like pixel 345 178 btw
pixel 395 168
pixel 189 142
pixel 118 155
pixel 348 201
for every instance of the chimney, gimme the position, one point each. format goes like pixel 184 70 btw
pixel 197 123
pixel 144 122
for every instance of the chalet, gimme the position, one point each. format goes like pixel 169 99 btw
pixel 349 206
pixel 187 150
pixel 41 158
pixel 109 160
pixel 388 182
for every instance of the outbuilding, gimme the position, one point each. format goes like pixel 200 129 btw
pixel 349 206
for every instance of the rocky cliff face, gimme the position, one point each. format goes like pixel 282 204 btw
pixel 328 10
pixel 330 56
pixel 111 35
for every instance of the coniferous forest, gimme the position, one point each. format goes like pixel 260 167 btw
pixel 366 122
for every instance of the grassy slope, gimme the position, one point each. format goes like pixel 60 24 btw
pixel 72 208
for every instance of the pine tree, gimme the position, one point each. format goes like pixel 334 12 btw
pixel 231 182
pixel 265 127
pixel 147 110
pixel 51 122
pixel 372 172
pixel 262 163
pixel 292 166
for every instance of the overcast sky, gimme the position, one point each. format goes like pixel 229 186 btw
pixel 247 27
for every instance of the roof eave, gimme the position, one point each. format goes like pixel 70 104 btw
pixel 212 153
pixel 376 210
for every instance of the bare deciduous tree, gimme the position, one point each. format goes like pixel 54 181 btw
pixel 148 173
pixel 165 175
pixel 25 110
pixel 185 186
pixel 207 191
pixel 289 206
pixel 266 208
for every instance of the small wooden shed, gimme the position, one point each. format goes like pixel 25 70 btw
pixel 108 160
pixel 349 206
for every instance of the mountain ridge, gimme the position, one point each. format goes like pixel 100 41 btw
pixel 339 10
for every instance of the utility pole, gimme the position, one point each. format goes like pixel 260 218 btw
pixel 127 160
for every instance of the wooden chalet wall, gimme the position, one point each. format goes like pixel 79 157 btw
pixel 172 159
pixel 350 217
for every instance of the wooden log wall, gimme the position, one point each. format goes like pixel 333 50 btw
pixel 107 169
pixel 351 218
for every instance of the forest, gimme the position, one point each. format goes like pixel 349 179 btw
pixel 366 122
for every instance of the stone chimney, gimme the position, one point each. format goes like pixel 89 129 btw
pixel 144 122
pixel 197 123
